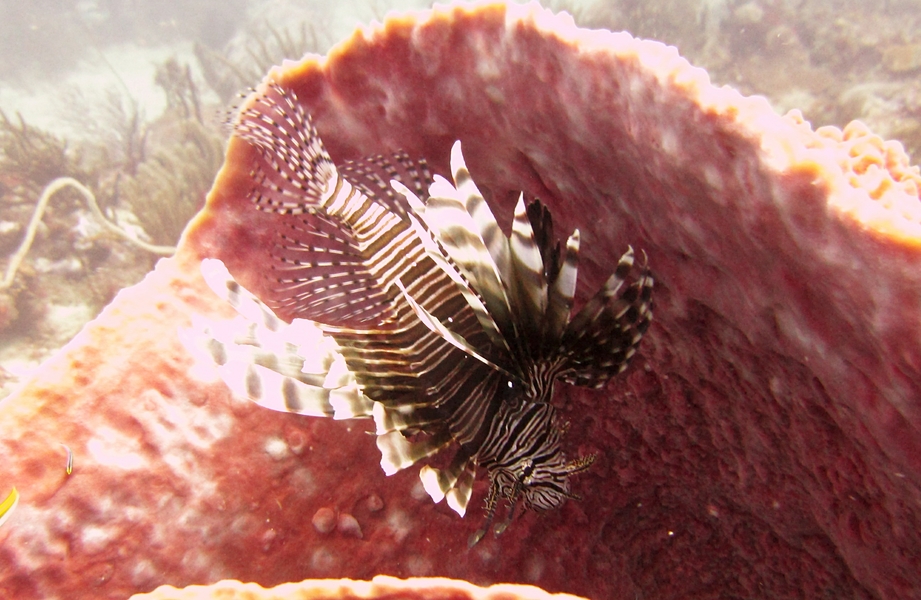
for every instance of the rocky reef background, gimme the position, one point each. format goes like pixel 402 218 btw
pixel 128 98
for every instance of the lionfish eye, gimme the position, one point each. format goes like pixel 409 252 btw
pixel 527 471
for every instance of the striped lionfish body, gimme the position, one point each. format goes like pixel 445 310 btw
pixel 395 295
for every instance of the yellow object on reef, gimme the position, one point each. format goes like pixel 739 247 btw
pixel 69 468
pixel 7 506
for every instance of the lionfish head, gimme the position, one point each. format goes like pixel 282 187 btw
pixel 529 467
pixel 541 486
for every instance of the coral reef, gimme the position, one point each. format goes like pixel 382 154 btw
pixel 252 54
pixel 130 181
pixel 29 155
pixel 763 445
pixel 168 185
pixel 835 61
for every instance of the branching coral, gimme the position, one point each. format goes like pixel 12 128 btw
pixel 113 129
pixel 30 156
pixel 170 186
pixel 181 91
pixel 258 51
pixel 160 170
pixel 53 188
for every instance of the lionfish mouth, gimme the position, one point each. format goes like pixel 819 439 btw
pixel 395 295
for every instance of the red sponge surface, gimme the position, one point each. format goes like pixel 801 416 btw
pixel 763 444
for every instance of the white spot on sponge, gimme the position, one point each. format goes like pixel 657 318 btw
pixel 112 448
pixel 276 448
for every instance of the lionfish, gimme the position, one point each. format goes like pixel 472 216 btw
pixel 401 299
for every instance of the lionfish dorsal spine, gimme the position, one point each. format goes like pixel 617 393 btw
pixel 563 290
pixel 475 205
pixel 460 219
pixel 457 341
pixel 528 285
pixel 442 262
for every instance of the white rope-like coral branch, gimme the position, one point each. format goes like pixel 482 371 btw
pixel 50 190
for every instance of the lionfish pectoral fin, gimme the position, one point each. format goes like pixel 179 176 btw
pixel 275 391
pixel 437 327
pixel 435 482
pixel 392 419
pixel 454 483
pixel 262 329
pixel 301 171
pixel 349 403
pixel 222 283
pixel 285 367
pixel 205 352
pixel 458 497
pixel 397 452
pixel 338 374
